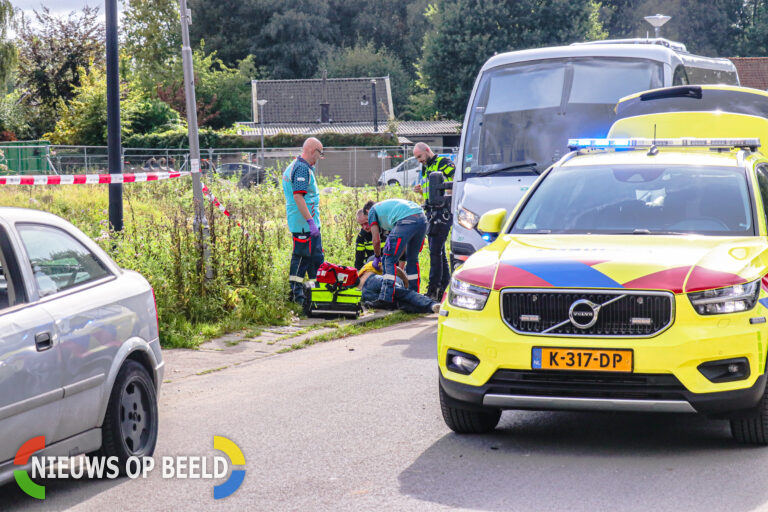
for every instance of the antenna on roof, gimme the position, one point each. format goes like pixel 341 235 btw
pixel 653 149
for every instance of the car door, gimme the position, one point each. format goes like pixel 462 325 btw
pixel 80 293
pixel 31 388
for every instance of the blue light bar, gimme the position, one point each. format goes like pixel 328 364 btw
pixel 687 142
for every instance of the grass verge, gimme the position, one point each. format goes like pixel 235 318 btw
pixel 352 330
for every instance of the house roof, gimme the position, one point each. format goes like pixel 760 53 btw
pixel 298 101
pixel 753 71
pixel 404 128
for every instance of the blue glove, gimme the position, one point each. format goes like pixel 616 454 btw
pixel 377 263
pixel 313 229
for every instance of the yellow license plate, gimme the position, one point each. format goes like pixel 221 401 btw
pixel 602 360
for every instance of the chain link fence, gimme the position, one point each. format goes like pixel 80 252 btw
pixel 353 166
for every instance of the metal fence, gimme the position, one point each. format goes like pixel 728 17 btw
pixel 354 166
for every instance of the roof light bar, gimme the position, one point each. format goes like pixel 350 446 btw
pixel 632 143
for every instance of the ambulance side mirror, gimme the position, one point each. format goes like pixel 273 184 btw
pixel 492 221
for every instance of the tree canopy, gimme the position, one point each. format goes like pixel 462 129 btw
pixel 430 49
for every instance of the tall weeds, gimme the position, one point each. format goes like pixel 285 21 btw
pixel 250 273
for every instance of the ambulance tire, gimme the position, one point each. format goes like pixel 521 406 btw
pixel 753 427
pixel 467 421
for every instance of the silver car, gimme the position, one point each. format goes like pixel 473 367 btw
pixel 80 360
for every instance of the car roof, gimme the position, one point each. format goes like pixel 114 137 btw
pixel 655 52
pixel 665 156
pixel 14 214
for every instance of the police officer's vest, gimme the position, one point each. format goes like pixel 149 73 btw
pixel 440 164
pixel 296 222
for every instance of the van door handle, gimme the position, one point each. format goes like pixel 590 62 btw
pixel 43 341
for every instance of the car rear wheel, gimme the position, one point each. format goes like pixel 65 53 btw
pixel 752 428
pixel 130 425
pixel 466 421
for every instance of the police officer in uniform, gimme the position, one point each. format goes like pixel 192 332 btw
pixel 439 218
pixel 302 200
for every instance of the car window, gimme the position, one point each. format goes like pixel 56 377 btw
pixel 58 261
pixel 631 199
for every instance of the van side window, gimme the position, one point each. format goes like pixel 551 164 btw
pixel 680 77
pixel 762 183
pixel 59 261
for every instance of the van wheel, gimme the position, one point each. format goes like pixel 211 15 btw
pixel 752 428
pixel 130 425
pixel 466 421
pixel 392 183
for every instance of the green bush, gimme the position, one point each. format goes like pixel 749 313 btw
pixel 250 274
pixel 177 138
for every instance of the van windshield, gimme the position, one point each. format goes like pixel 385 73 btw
pixel 526 112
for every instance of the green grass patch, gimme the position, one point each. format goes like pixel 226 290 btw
pixel 353 330
pixel 212 370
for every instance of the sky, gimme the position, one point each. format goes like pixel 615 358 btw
pixel 58 7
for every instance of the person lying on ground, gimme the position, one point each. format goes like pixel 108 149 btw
pixel 407 300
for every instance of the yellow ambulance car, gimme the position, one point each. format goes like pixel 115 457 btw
pixel 631 277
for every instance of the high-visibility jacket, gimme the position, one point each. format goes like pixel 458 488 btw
pixel 439 164
pixel 363 248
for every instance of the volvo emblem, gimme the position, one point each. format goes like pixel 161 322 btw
pixel 583 313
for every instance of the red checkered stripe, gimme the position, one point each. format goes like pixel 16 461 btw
pixel 90 179
pixel 207 193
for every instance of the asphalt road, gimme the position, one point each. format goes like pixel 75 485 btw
pixel 355 424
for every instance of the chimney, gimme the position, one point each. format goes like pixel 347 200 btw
pixel 325 107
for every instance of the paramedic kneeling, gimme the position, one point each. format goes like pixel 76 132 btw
pixel 371 283
pixel 407 225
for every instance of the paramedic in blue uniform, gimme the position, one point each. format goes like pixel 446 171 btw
pixel 302 201
pixel 407 225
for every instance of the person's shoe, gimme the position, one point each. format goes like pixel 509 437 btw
pixel 436 307
pixel 382 304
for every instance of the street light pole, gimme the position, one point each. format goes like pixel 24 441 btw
pixel 194 144
pixel 657 22
pixel 261 127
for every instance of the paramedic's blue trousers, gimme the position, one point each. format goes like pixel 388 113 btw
pixel 307 256
pixel 407 235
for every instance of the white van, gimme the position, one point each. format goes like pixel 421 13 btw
pixel 526 104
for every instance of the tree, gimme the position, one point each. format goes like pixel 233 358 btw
pixel 152 38
pixel 8 52
pixel 395 25
pixel 83 121
pixel 364 61
pixel 714 31
pixel 465 33
pixel 287 39
pixel 55 54
pixel 223 94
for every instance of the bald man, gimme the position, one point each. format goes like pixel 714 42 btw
pixel 302 201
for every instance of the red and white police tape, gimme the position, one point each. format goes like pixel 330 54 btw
pixel 90 179
pixel 106 179
pixel 207 193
